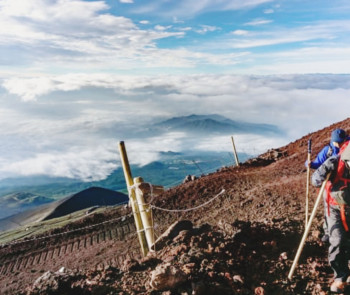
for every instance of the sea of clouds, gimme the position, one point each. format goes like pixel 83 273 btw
pixel 70 125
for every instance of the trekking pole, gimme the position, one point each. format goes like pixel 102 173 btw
pixel 307 181
pixel 307 229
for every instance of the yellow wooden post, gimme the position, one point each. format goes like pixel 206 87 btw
pixel 145 212
pixel 132 197
pixel 234 151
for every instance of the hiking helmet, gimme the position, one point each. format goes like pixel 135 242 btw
pixel 338 135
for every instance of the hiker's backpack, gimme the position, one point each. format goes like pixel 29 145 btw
pixel 339 189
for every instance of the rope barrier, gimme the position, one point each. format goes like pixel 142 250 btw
pixel 116 219
pixel 70 231
pixel 189 209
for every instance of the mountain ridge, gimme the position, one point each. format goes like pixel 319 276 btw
pixel 215 123
pixel 17 202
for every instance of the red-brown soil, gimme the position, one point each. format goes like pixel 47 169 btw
pixel 243 242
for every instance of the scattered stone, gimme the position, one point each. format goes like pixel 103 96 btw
pixel 172 232
pixel 130 265
pixel 259 291
pixel 166 277
pixel 316 234
pixel 51 282
pixel 283 256
pixel 238 279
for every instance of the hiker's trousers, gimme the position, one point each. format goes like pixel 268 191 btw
pixel 339 248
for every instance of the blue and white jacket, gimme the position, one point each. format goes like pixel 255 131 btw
pixel 323 155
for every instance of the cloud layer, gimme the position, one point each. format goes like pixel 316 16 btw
pixel 71 124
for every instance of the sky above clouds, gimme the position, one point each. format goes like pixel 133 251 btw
pixel 76 77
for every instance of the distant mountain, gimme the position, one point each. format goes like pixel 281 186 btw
pixel 93 196
pixel 17 202
pixel 25 199
pixel 215 124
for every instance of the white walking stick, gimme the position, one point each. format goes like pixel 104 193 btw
pixel 307 229
pixel 307 182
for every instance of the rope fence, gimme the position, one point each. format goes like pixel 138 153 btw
pixel 152 225
pixel 122 218
pixel 190 209
pixel 20 241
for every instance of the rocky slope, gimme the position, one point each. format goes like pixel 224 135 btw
pixel 241 242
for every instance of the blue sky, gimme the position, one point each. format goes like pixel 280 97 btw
pixel 150 37
pixel 78 76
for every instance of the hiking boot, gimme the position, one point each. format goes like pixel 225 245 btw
pixel 338 287
pixel 325 238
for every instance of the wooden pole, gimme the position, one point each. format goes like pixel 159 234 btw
pixel 234 151
pixel 145 212
pixel 307 229
pixel 129 182
pixel 307 182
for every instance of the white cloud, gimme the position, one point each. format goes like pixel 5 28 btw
pixel 251 144
pixel 126 1
pixel 143 151
pixel 185 8
pixel 29 89
pixel 58 34
pixel 185 29
pixel 162 28
pixel 303 61
pixel 240 32
pixel 258 22
pixel 314 32
pixel 205 29
pixel 88 165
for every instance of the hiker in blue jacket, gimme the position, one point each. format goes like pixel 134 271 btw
pixel 338 137
pixel 337 195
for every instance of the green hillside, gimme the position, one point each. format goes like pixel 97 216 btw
pixel 170 171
